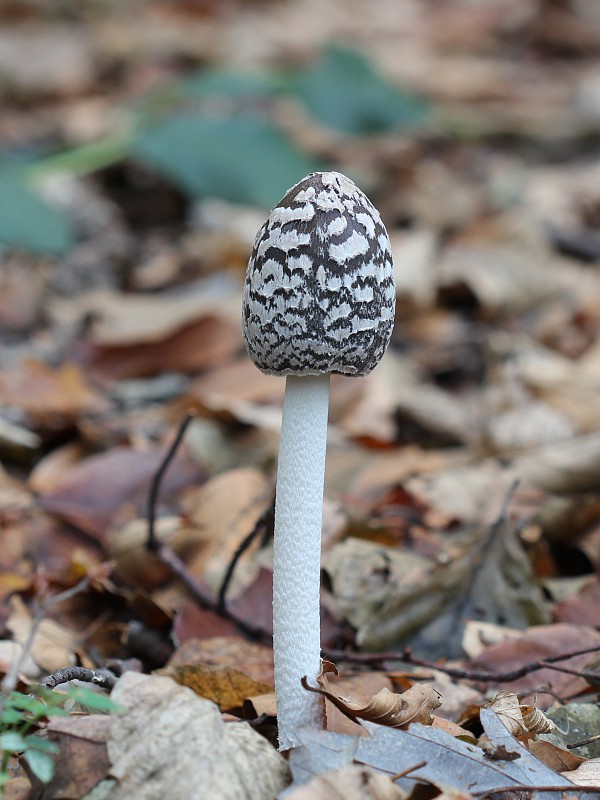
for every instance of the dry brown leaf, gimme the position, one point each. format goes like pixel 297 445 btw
pixel 68 48
pixel 586 774
pixel 227 385
pixel 11 582
pixel 414 265
pixel 472 493
pixel 53 645
pixel 569 386
pixel 192 622
pixel 500 275
pixel 361 688
pixel 354 782
pixel 52 397
pixel 14 495
pixel 531 423
pixel 126 319
pixel 225 510
pixel 230 651
pixel 91 491
pixel 50 470
pixel 12 651
pixel 260 704
pixel 450 727
pixel 374 474
pixel 365 409
pixel 478 635
pixel 173 741
pixel 17 789
pixel 556 758
pixel 572 465
pixel 536 721
pixel 393 709
pixel 205 343
pixel 134 564
pixel 582 608
pixel 82 759
pixel 520 719
pixel 537 643
pixel 226 686
pixel 398 710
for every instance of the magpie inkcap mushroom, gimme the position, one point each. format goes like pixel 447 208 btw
pixel 319 298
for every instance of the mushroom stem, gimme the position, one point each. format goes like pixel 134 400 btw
pixel 297 554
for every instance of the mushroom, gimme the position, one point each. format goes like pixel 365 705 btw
pixel 319 298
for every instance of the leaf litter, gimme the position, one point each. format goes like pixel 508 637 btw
pixel 122 255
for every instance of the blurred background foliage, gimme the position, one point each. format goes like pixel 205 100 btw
pixel 214 133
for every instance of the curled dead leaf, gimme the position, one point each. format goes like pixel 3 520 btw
pixel 393 709
pixel 507 707
pixel 536 721
pixel 518 719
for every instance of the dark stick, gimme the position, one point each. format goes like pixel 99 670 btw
pixel 454 672
pixel 99 677
pixel 151 542
pixel 573 790
pixel 177 567
pixel 261 523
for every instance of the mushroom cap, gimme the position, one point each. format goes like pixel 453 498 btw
pixel 319 294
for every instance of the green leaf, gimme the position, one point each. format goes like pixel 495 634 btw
pixel 35 708
pixel 10 716
pixel 28 222
pixel 25 702
pixel 345 92
pixel 243 159
pixel 92 700
pixel 40 764
pixel 35 742
pixel 234 85
pixel 13 742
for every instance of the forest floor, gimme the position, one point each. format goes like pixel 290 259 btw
pixel 141 147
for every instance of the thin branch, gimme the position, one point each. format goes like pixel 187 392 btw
pixel 99 677
pixel 406 772
pixel 574 789
pixel 261 523
pixel 170 559
pixel 12 676
pixel 455 672
pixel 583 743
pixel 152 543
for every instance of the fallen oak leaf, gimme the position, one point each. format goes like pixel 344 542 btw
pixel 388 708
pixel 226 686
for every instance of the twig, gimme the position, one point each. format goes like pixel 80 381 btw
pixel 100 677
pixel 408 770
pixel 583 743
pixel 152 543
pixel 455 672
pixel 170 559
pixel 261 523
pixel 573 789
pixel 12 676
